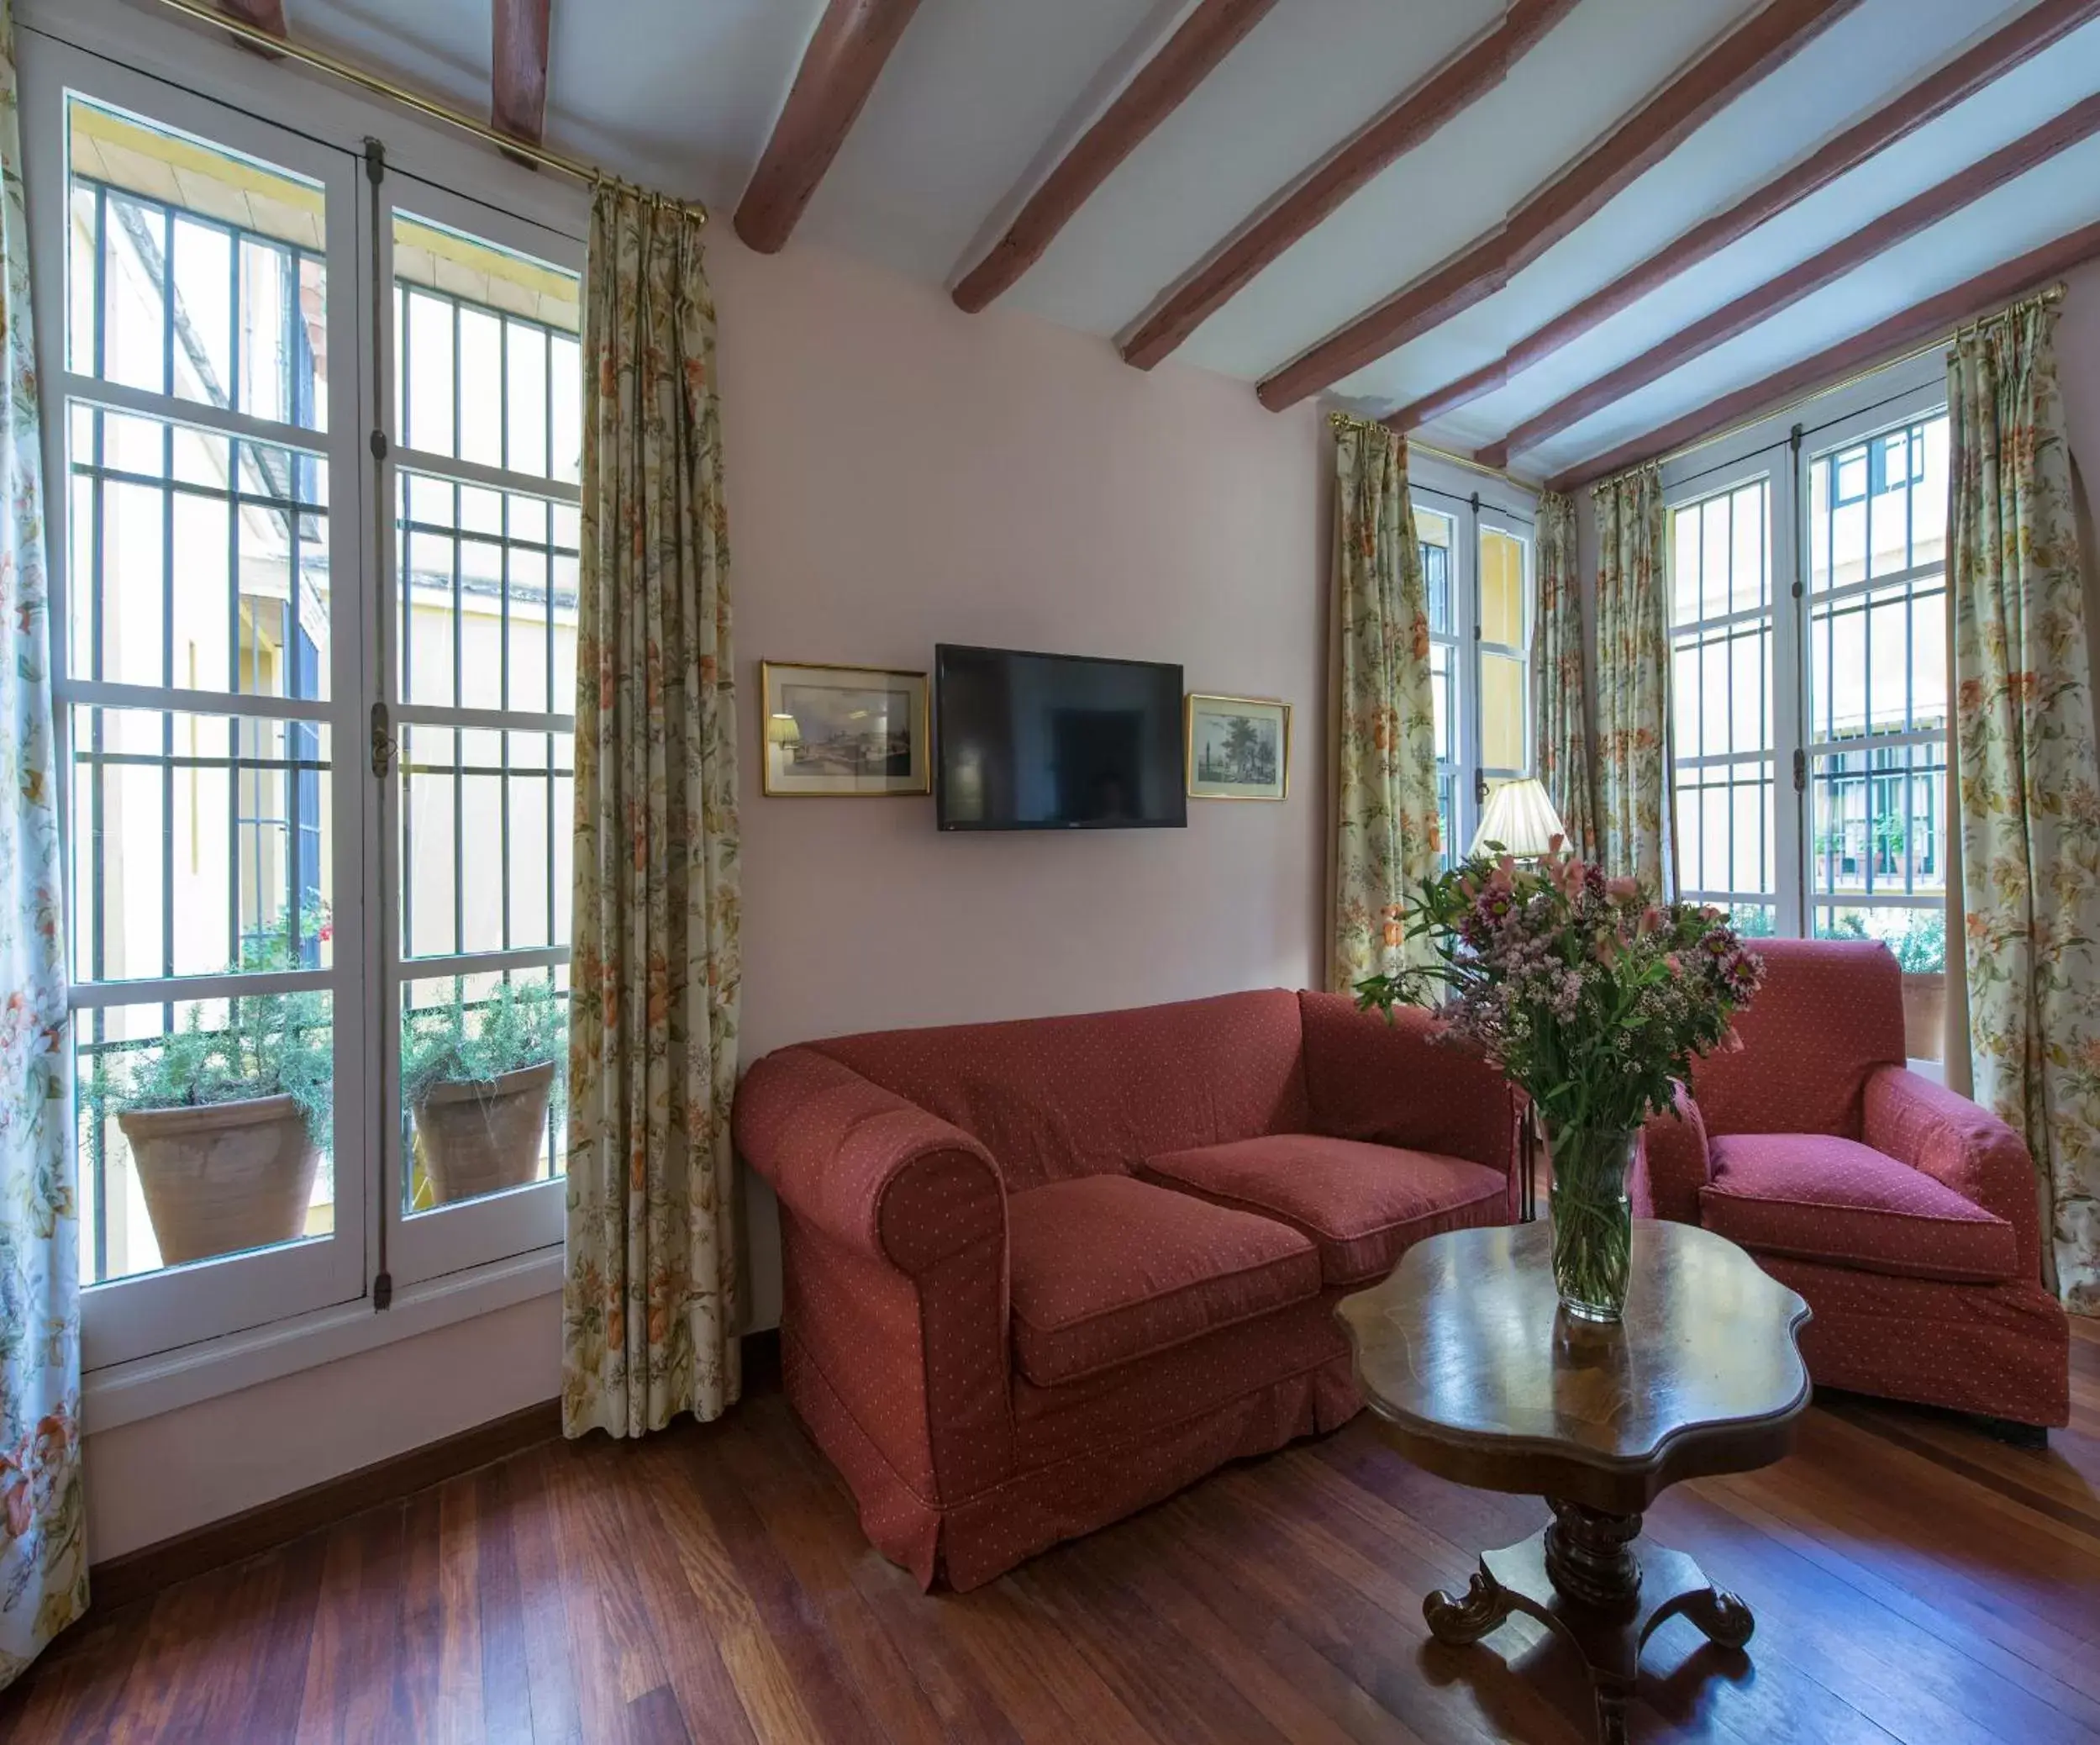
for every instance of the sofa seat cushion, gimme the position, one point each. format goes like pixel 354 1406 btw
pixel 1106 1270
pixel 1809 1196
pixel 1362 1204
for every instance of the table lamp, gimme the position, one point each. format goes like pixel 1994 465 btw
pixel 1520 818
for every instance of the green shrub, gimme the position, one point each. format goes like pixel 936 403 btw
pixel 473 1043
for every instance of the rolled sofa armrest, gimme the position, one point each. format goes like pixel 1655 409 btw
pixel 1674 1163
pixel 875 1173
pixel 1961 1145
pixel 1395 1083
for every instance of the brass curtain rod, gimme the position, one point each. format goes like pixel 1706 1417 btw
pixel 351 74
pixel 1953 336
pixel 1350 420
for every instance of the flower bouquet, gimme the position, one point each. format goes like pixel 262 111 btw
pixel 1590 998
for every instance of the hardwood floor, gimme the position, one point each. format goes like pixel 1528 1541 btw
pixel 1912 1581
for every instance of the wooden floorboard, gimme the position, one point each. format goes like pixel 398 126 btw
pixel 1914 1582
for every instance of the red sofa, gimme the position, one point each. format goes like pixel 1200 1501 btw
pixel 1905 1215
pixel 1040 1274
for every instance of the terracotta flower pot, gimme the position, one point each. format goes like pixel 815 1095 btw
pixel 223 1176
pixel 481 1137
pixel 1925 1015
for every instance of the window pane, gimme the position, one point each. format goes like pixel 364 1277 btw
pixel 483 1061
pixel 484 825
pixel 495 329
pixel 205 1128
pixel 199 560
pixel 1721 672
pixel 1502 588
pixel 1442 701
pixel 212 282
pixel 200 844
pixel 1918 936
pixel 1504 742
pixel 1434 536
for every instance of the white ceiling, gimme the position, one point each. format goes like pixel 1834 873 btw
pixel 981 98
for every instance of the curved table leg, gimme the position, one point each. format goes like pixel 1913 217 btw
pixel 1462 1620
pixel 1580 1576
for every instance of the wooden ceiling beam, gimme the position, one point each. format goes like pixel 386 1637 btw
pixel 1161 86
pixel 1441 93
pixel 1882 344
pixel 1931 97
pixel 517 79
pixel 2079 122
pixel 852 43
pixel 1763 42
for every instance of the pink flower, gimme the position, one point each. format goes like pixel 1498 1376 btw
pixel 1622 890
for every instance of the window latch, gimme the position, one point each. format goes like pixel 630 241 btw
pixel 1801 771
pixel 383 747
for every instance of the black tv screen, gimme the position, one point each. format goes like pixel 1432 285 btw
pixel 1056 742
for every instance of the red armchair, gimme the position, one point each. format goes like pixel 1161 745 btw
pixel 1040 1274
pixel 1905 1215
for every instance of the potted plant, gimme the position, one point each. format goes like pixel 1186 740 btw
pixel 226 1124
pixel 478 1081
pixel 1593 1000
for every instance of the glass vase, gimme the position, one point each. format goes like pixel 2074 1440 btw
pixel 1593 1220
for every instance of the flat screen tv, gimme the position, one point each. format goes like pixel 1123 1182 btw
pixel 1056 742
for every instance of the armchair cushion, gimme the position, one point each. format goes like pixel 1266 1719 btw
pixel 1809 1196
pixel 1361 1204
pixel 1106 1270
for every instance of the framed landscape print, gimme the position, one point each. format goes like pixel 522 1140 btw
pixel 1239 748
pixel 844 731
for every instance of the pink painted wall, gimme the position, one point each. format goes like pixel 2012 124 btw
pixel 901 474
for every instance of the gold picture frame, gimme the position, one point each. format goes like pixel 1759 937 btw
pixel 824 729
pixel 1223 743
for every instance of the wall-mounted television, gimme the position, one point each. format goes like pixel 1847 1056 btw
pixel 1056 742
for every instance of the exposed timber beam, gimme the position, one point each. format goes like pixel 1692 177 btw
pixel 1445 90
pixel 1763 42
pixel 1922 323
pixel 1161 86
pixel 518 95
pixel 852 43
pixel 1933 96
pixel 2079 122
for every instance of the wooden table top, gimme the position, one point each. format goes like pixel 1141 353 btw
pixel 1479 1376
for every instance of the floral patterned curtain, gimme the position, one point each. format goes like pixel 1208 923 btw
pixel 2030 793
pixel 1557 677
pixel 43 1530
pixel 1386 832
pixel 1632 677
pixel 650 1301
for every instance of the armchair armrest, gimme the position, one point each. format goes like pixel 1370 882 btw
pixel 1960 1145
pixel 874 1173
pixel 895 1240
pixel 1393 1083
pixel 1674 1163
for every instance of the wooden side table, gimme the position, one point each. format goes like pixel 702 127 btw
pixel 1477 1377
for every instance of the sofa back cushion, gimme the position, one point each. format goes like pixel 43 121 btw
pixel 1830 1011
pixel 1053 1098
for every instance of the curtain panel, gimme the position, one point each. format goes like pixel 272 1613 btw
pixel 1558 679
pixel 649 1298
pixel 43 1522
pixel 1633 678
pixel 1385 830
pixel 2030 793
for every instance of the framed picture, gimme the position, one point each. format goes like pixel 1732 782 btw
pixel 1238 747
pixel 844 731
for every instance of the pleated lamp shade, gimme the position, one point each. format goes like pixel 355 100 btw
pixel 1520 819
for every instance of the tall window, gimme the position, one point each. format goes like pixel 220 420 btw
pixel 252 701
pixel 1477 572
pixel 1877 738
pixel 1723 728
pixel 1809 689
